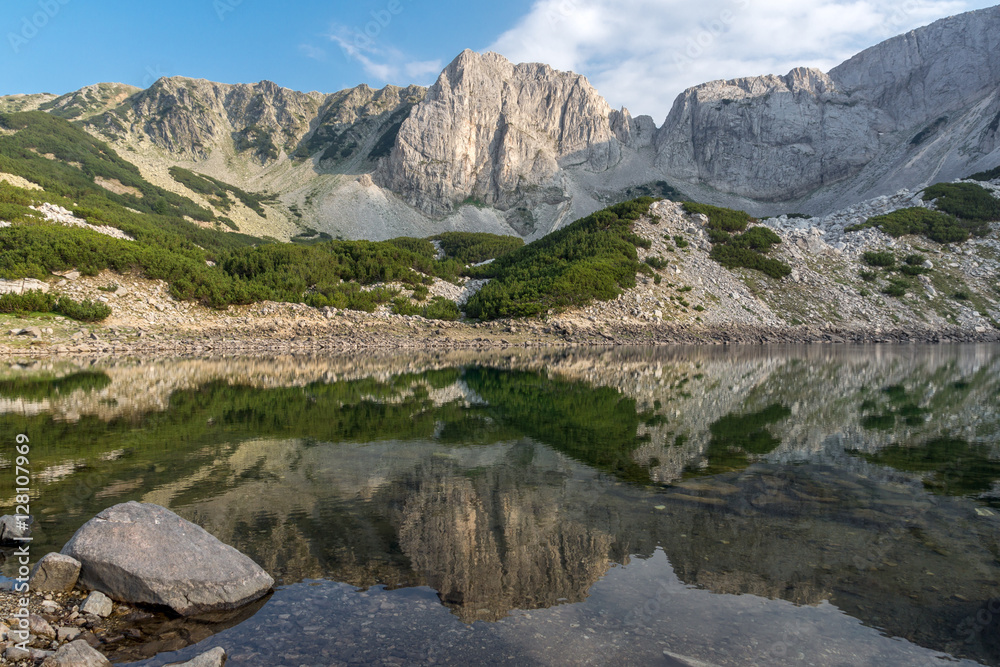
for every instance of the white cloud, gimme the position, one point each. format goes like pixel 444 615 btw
pixel 385 64
pixel 643 53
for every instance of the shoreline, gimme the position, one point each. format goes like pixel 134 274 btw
pixel 373 333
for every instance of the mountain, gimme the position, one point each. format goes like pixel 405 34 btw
pixel 524 149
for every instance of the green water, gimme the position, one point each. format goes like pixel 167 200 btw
pixel 749 506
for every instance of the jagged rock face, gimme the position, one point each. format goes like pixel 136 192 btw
pixel 190 117
pixel 769 137
pixel 361 122
pixel 498 133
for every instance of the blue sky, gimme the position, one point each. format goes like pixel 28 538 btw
pixel 638 53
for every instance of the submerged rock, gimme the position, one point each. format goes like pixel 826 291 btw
pixel 144 553
pixel 11 531
pixel 214 658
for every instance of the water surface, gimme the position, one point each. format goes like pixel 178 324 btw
pixel 734 507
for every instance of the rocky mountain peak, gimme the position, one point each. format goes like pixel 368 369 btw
pixel 496 133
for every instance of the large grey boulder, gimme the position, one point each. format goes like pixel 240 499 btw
pixel 144 553
pixel 55 573
pixel 76 654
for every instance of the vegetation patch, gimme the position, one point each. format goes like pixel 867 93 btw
pixel 735 250
pixel 35 301
pixel 934 225
pixel 990 175
pixel 439 308
pixel 593 258
pixel 967 201
pixel 476 247
pixel 882 259
pixel 218 192
pixel 721 219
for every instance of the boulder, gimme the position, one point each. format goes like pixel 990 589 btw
pixel 143 553
pixel 54 573
pixel 214 658
pixel 76 654
pixel 98 604
pixel 11 530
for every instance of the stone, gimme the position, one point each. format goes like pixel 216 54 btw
pixel 14 654
pixel 67 634
pixel 213 658
pixel 76 654
pixel 98 604
pixel 21 286
pixel 143 553
pixel 40 627
pixel 10 530
pixel 34 332
pixel 55 573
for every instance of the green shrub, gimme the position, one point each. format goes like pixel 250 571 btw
pixel 657 262
pixel 914 259
pixel 439 308
pixel 593 258
pixel 85 311
pixel 733 257
pixel 719 236
pixel 961 295
pixel 934 225
pixel 36 301
pixel 476 247
pixel 964 200
pixel 722 219
pixel 879 259
pixel 422 247
pixel 897 287
pixel 867 276
pixel 420 292
pixel 32 301
pixel 991 175
pixel 681 242
pixel 911 270
pixel 756 238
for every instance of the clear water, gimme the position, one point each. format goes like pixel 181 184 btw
pixel 791 506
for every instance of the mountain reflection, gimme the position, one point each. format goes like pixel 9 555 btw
pixel 514 484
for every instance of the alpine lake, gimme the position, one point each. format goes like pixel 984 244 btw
pixel 695 506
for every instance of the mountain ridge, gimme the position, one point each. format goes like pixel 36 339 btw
pixel 524 149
